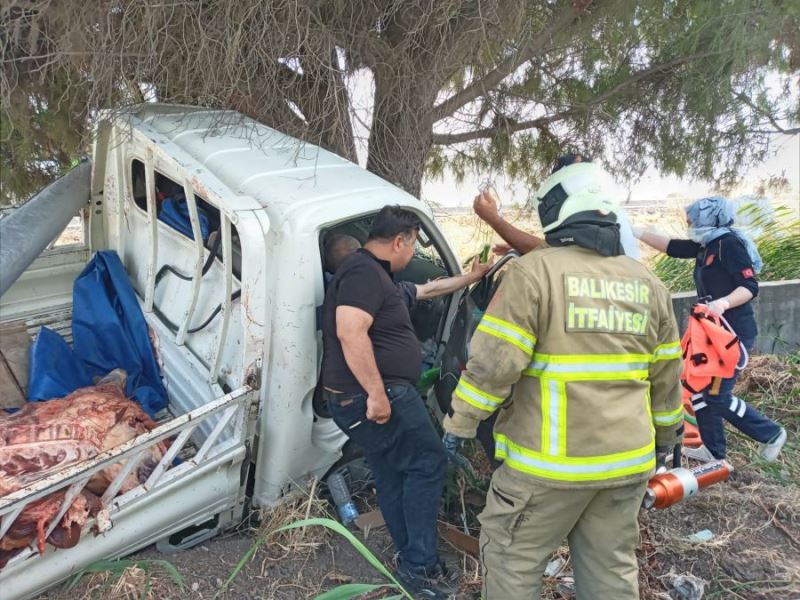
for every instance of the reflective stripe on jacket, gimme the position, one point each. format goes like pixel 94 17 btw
pixel 580 354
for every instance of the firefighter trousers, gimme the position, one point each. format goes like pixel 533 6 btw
pixel 524 522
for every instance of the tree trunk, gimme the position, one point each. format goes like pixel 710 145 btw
pixel 402 129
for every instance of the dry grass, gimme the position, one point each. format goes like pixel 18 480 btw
pixel 749 556
pixel 467 234
pixel 769 375
pixel 128 586
pixel 297 542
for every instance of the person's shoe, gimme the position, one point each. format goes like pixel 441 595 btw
pixel 701 453
pixel 436 584
pixel 769 451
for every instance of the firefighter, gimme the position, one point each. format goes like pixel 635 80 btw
pixel 579 353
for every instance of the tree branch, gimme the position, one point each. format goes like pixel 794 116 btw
pixel 778 128
pixel 446 139
pixel 538 123
pixel 781 130
pixel 493 78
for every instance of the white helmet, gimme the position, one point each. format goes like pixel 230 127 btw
pixel 577 188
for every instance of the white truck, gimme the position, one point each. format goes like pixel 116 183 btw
pixel 235 321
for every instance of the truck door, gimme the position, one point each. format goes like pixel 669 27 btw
pixel 468 313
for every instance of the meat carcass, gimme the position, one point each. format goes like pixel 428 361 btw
pixel 45 437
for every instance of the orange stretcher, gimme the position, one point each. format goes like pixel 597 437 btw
pixel 711 353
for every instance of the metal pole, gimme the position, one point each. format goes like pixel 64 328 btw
pixel 27 230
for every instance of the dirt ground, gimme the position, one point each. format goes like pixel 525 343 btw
pixel 753 552
pixel 753 555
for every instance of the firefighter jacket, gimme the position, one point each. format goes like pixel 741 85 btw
pixel 580 354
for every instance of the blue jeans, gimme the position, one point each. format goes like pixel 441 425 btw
pixel 409 463
pixel 712 409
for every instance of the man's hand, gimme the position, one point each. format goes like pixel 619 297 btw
pixel 479 269
pixel 378 407
pixel 485 206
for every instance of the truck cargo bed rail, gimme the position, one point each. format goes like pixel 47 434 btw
pixel 226 415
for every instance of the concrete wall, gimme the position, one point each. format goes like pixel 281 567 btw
pixel 777 309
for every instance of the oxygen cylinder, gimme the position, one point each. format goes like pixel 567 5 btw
pixel 669 488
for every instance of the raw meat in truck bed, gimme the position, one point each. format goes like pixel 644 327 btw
pixel 44 437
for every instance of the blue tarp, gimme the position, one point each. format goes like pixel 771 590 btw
pixel 175 213
pixel 108 332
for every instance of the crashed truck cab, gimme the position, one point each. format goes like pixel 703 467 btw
pixel 231 289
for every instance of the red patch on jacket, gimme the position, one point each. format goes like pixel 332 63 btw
pixel 747 273
pixel 710 259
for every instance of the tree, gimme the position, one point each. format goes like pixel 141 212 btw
pixel 694 87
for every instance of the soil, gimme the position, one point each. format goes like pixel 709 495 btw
pixel 753 554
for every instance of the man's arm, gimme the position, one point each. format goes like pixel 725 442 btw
pixel 352 327
pixel 447 285
pixel 485 207
pixel 500 351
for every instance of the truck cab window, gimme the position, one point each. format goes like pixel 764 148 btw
pixel 139 184
pixel 173 211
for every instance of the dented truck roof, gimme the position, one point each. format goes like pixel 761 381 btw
pixel 281 173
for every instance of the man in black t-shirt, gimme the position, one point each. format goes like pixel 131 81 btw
pixel 370 368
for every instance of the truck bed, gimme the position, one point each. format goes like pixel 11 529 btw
pixel 15 339
pixel 198 479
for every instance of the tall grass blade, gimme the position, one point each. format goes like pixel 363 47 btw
pixel 350 590
pixel 354 541
pixel 333 526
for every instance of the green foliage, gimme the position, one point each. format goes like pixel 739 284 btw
pixel 341 592
pixel 778 243
pixel 691 86
pixel 676 273
pixel 682 85
pixel 40 138
pixel 352 590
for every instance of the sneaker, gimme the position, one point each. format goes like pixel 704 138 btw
pixel 769 451
pixel 701 453
pixel 437 584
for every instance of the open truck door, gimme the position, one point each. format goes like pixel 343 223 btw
pixel 468 313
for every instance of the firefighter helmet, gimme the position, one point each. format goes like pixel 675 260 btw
pixel 579 187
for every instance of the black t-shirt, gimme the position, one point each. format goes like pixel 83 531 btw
pixel 720 268
pixel 365 282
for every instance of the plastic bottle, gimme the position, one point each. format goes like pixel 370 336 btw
pixel 341 497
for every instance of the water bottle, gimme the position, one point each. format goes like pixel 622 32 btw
pixel 341 497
